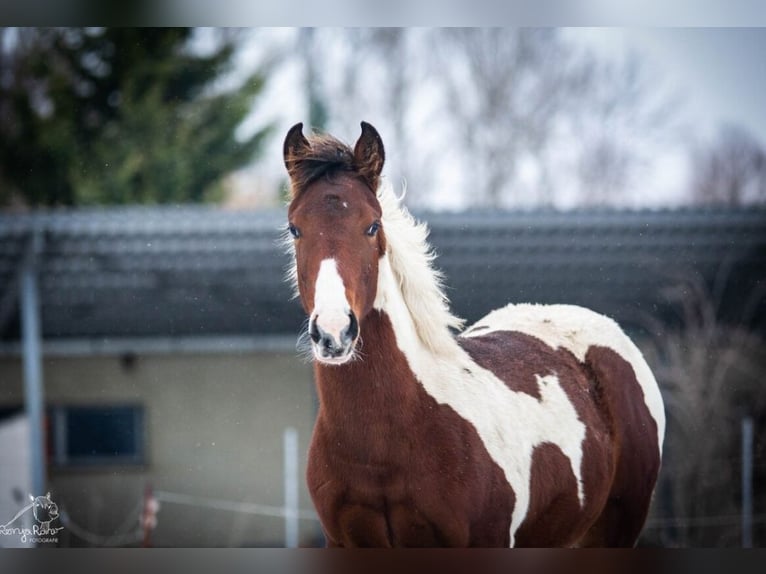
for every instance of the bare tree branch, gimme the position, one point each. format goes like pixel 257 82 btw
pixel 729 171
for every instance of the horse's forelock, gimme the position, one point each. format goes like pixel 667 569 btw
pixel 325 156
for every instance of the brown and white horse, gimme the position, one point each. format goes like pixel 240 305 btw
pixel 537 426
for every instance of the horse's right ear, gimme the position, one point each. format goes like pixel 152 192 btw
pixel 369 155
pixel 294 147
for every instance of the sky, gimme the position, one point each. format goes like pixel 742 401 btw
pixel 721 72
pixel 718 73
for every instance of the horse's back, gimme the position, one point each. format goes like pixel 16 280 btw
pixel 622 388
pixel 590 337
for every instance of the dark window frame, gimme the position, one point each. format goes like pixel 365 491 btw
pixel 59 426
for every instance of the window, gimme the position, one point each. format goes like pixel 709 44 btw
pixel 97 435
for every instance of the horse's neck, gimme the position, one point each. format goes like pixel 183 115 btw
pixel 379 389
pixel 377 380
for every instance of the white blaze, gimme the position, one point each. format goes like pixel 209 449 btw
pixel 331 308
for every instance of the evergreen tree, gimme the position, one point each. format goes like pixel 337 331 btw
pixel 118 115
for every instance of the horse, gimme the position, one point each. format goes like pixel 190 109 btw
pixel 540 425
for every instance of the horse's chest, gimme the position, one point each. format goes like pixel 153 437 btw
pixel 425 488
pixel 369 475
pixel 379 505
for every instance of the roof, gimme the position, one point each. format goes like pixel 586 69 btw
pixel 204 271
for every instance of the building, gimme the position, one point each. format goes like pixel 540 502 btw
pixel 167 346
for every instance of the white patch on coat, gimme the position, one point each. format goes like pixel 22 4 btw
pixel 577 329
pixel 331 308
pixel 511 424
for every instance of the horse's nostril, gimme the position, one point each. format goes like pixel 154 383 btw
pixel 353 327
pixel 314 332
pixel 336 344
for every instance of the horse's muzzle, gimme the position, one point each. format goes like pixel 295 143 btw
pixel 334 345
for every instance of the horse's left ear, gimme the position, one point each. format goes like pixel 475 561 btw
pixel 296 145
pixel 369 155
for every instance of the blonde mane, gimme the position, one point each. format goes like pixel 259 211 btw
pixel 421 285
pixel 286 242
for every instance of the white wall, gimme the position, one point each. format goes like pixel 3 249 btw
pixel 214 427
pixel 15 478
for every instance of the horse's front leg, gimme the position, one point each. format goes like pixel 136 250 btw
pixel 361 527
pixel 330 542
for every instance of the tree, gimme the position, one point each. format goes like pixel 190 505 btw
pixel 354 74
pixel 710 373
pixel 505 88
pixel 118 116
pixel 729 171
pixel 624 118
pixel 492 117
pixel 544 121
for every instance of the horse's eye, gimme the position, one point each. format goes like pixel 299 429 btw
pixel 373 229
pixel 294 231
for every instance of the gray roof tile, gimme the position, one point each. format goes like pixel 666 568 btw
pixel 148 271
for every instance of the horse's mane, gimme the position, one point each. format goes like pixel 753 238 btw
pixel 411 258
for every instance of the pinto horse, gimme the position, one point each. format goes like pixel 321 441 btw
pixel 537 426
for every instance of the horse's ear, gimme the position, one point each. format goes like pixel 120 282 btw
pixel 369 155
pixel 294 147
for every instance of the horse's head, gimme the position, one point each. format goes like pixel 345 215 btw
pixel 335 222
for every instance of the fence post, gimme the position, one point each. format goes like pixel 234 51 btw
pixel 32 355
pixel 291 487
pixel 747 482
